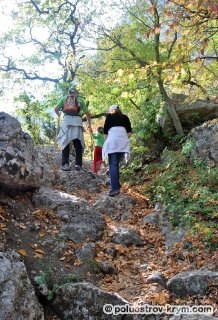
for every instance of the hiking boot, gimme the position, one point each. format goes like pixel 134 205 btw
pixel 114 193
pixel 77 168
pixel 65 167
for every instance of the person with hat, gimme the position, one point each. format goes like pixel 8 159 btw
pixel 117 130
pixel 73 107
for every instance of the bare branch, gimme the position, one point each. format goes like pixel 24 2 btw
pixel 137 107
pixel 26 75
pixel 172 45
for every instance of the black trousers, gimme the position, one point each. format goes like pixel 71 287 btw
pixel 78 150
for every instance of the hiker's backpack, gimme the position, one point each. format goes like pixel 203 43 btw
pixel 72 106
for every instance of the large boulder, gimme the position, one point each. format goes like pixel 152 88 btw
pixel 120 208
pixel 204 142
pixel 191 282
pixel 84 301
pixel 191 114
pixel 17 296
pixel 79 220
pixel 20 167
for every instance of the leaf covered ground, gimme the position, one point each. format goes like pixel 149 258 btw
pixel 35 234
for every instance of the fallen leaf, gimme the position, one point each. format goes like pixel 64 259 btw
pixel 39 256
pixel 22 252
pixel 161 298
pixel 33 246
pixel 77 263
pixel 40 251
pixel 108 279
pixel 42 234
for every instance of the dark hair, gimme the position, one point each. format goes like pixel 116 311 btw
pixel 73 90
pixel 118 111
pixel 100 129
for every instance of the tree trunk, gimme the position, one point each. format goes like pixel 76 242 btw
pixel 171 108
pixel 174 116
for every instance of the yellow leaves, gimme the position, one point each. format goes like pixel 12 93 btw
pixel 177 67
pixel 180 46
pixel 39 251
pixel 124 94
pixel 190 6
pixel 42 234
pixel 157 30
pixel 131 76
pixel 164 64
pixel 186 32
pixel 120 72
pixel 22 252
pixel 203 229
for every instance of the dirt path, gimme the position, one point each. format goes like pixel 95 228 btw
pixel 35 235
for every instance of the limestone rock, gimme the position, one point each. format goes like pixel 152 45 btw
pixel 79 220
pixel 17 296
pixel 205 143
pixel 157 277
pixel 191 282
pixel 126 236
pixel 20 167
pixel 191 114
pixel 84 301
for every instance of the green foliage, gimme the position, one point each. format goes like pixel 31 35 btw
pixel 185 191
pixel 36 119
pixel 52 279
pixel 187 147
pixel 188 192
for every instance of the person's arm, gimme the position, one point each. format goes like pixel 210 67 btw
pixel 57 111
pixel 88 117
pixel 107 126
pixel 128 127
pixel 85 112
pixel 60 106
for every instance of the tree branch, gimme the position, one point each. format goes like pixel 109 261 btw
pixel 26 75
pixel 137 107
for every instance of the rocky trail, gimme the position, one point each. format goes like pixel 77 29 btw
pixel 67 249
pixel 129 258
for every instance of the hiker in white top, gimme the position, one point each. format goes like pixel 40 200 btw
pixel 117 130
pixel 74 107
